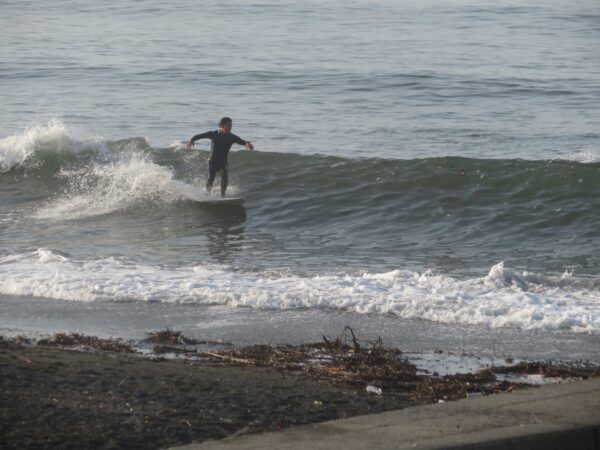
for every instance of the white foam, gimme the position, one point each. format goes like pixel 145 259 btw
pixel 587 156
pixel 501 299
pixel 16 149
pixel 105 187
pixel 178 145
pixel 6 218
pixel 52 137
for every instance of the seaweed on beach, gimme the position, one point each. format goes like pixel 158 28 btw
pixel 168 337
pixel 371 363
pixel 87 342
pixel 347 360
pixel 343 360
pixel 486 382
pixel 550 370
pixel 455 387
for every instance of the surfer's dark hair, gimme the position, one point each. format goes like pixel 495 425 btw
pixel 224 121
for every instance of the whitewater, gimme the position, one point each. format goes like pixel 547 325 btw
pixel 503 298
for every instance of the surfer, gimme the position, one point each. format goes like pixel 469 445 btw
pixel 222 140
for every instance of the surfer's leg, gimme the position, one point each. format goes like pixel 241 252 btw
pixel 224 179
pixel 212 173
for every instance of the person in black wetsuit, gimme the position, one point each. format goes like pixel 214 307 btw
pixel 222 140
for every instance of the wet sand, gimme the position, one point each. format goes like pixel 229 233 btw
pixel 68 399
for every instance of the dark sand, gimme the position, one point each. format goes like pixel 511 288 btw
pixel 51 397
pixel 56 398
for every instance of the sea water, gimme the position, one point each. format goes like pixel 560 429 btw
pixel 425 171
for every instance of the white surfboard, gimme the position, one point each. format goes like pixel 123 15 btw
pixel 239 201
pixel 200 196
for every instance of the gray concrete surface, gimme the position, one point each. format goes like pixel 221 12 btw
pixel 564 416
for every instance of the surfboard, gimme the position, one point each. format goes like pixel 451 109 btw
pixel 237 201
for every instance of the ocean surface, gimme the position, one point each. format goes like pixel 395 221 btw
pixel 425 171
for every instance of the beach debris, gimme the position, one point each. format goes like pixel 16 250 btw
pixel 22 340
pixel 230 358
pixel 87 342
pixel 455 387
pixel 172 337
pixel 343 360
pixel 374 390
pixel 168 336
pixel 22 359
pixel 347 360
pixel 551 369
pixel 375 368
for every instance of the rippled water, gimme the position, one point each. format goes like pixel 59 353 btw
pixel 384 78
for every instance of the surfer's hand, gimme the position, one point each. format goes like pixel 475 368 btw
pixel 190 144
pixel 249 146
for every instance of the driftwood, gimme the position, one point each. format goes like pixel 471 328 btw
pixel 229 358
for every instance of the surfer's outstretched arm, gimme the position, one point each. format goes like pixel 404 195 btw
pixel 239 140
pixel 198 136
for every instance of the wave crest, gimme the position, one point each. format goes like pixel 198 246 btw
pixel 15 150
pixel 105 188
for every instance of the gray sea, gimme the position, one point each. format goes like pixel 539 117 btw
pixel 425 171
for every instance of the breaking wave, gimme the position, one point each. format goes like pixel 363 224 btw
pixel 502 298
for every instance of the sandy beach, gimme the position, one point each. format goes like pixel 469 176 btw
pixel 63 392
pixel 57 398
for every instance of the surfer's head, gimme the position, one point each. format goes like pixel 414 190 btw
pixel 225 124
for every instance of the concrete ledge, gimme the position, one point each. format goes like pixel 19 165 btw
pixel 565 416
pixel 576 438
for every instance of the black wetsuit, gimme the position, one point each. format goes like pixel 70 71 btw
pixel 217 162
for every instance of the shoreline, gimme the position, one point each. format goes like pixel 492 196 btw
pixel 60 394
pixel 40 317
